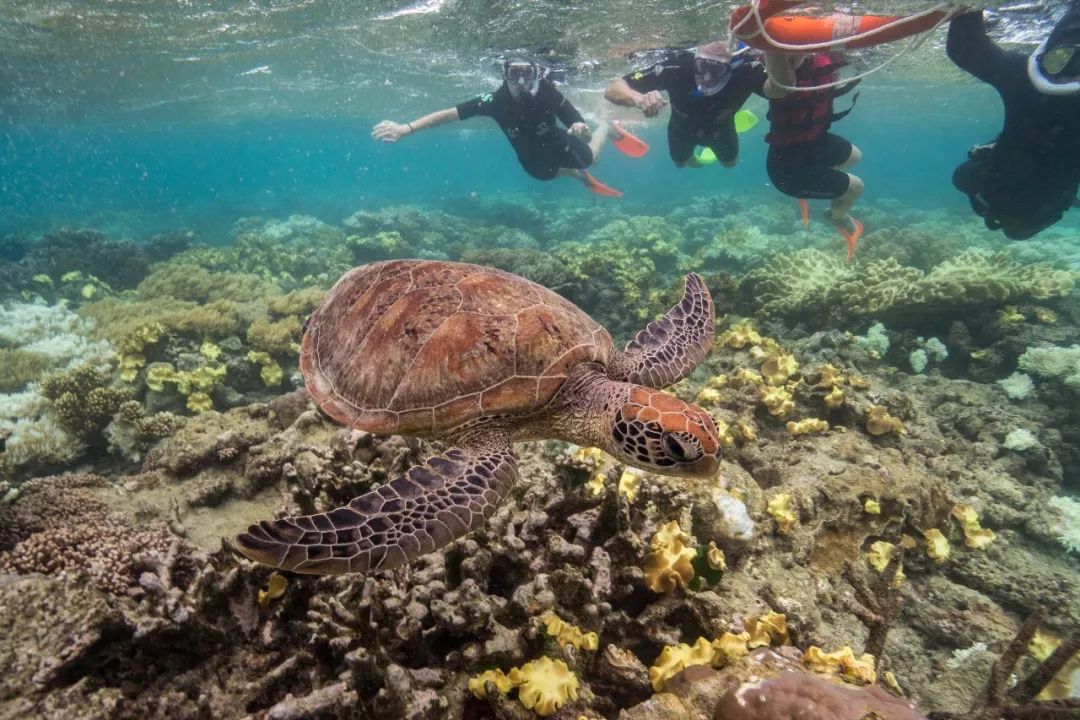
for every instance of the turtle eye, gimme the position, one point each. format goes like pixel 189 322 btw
pixel 680 449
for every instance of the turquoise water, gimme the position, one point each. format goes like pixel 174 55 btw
pixel 140 176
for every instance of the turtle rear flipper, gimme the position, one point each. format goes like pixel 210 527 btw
pixel 669 349
pixel 429 507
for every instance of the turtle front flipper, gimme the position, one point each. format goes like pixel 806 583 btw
pixel 669 349
pixel 432 505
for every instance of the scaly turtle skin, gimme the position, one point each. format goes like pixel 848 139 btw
pixel 480 358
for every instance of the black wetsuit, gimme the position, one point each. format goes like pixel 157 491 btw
pixel 542 146
pixel 700 120
pixel 1029 177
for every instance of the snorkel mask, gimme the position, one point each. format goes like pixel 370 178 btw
pixel 713 66
pixel 1054 67
pixel 522 78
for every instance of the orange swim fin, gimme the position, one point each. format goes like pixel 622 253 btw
pixel 804 211
pixel 851 235
pixel 600 188
pixel 629 144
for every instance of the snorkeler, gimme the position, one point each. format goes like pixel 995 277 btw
pixel 805 160
pixel 525 107
pixel 1027 178
pixel 705 87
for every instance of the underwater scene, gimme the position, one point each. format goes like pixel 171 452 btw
pixel 664 375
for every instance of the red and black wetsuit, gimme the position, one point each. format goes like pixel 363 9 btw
pixel 542 146
pixel 1028 178
pixel 803 154
pixel 695 120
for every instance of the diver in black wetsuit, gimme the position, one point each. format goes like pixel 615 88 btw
pixel 1026 179
pixel 525 106
pixel 705 87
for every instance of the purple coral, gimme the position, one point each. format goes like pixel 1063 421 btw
pixel 809 697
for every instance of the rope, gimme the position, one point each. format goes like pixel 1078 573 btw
pixel 916 43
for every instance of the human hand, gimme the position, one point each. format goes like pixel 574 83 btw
pixel 581 130
pixel 651 103
pixel 389 131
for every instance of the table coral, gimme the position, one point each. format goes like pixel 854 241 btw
pixel 810 283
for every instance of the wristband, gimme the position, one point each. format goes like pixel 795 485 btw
pixel 411 128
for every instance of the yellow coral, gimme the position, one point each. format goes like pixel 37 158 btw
pixel 210 350
pixel 747 431
pixel 718 382
pixel 629 484
pixel 937 545
pixel 1046 316
pixel 668 564
pixel 275 588
pixel 769 629
pixel 871 507
pixel 879 557
pixel 199 402
pixel 723 433
pixel 740 335
pixel 746 376
pixel 780 508
pixel 567 634
pixel 804 427
pixel 545 685
pixel 271 374
pixel 130 364
pixel 778 368
pixel 829 376
pixel 880 422
pixel 835 398
pixel 1009 315
pixel 715 557
pixel 477 683
pixel 729 647
pixel 158 374
pixel 777 400
pixel 1061 685
pixel 859 383
pixel 708 396
pixel 843 662
pixel 975 535
pixel 676 658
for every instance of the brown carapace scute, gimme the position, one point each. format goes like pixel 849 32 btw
pixel 479 358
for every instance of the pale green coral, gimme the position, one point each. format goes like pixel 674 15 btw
pixel 811 283
pixel 275 336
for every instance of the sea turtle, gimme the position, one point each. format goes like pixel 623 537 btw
pixel 480 358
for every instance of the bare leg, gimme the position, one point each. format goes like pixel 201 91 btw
pixel 596 144
pixel 842 205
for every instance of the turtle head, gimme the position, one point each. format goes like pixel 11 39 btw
pixel 658 432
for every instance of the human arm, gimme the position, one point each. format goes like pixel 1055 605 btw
pixel 390 131
pixel 973 51
pixel 780 68
pixel 650 102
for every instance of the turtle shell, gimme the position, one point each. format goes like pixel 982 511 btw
pixel 419 347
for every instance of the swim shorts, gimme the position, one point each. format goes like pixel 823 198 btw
pixel 721 139
pixel 544 162
pixel 809 170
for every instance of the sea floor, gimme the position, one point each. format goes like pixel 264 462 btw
pixel 901 462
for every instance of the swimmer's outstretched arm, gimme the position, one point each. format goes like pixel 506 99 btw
pixel 972 50
pixel 390 131
pixel 619 92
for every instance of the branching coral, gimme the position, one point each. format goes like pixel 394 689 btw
pixel 82 400
pixel 1002 699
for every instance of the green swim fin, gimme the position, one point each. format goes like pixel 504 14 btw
pixel 745 120
pixel 705 156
